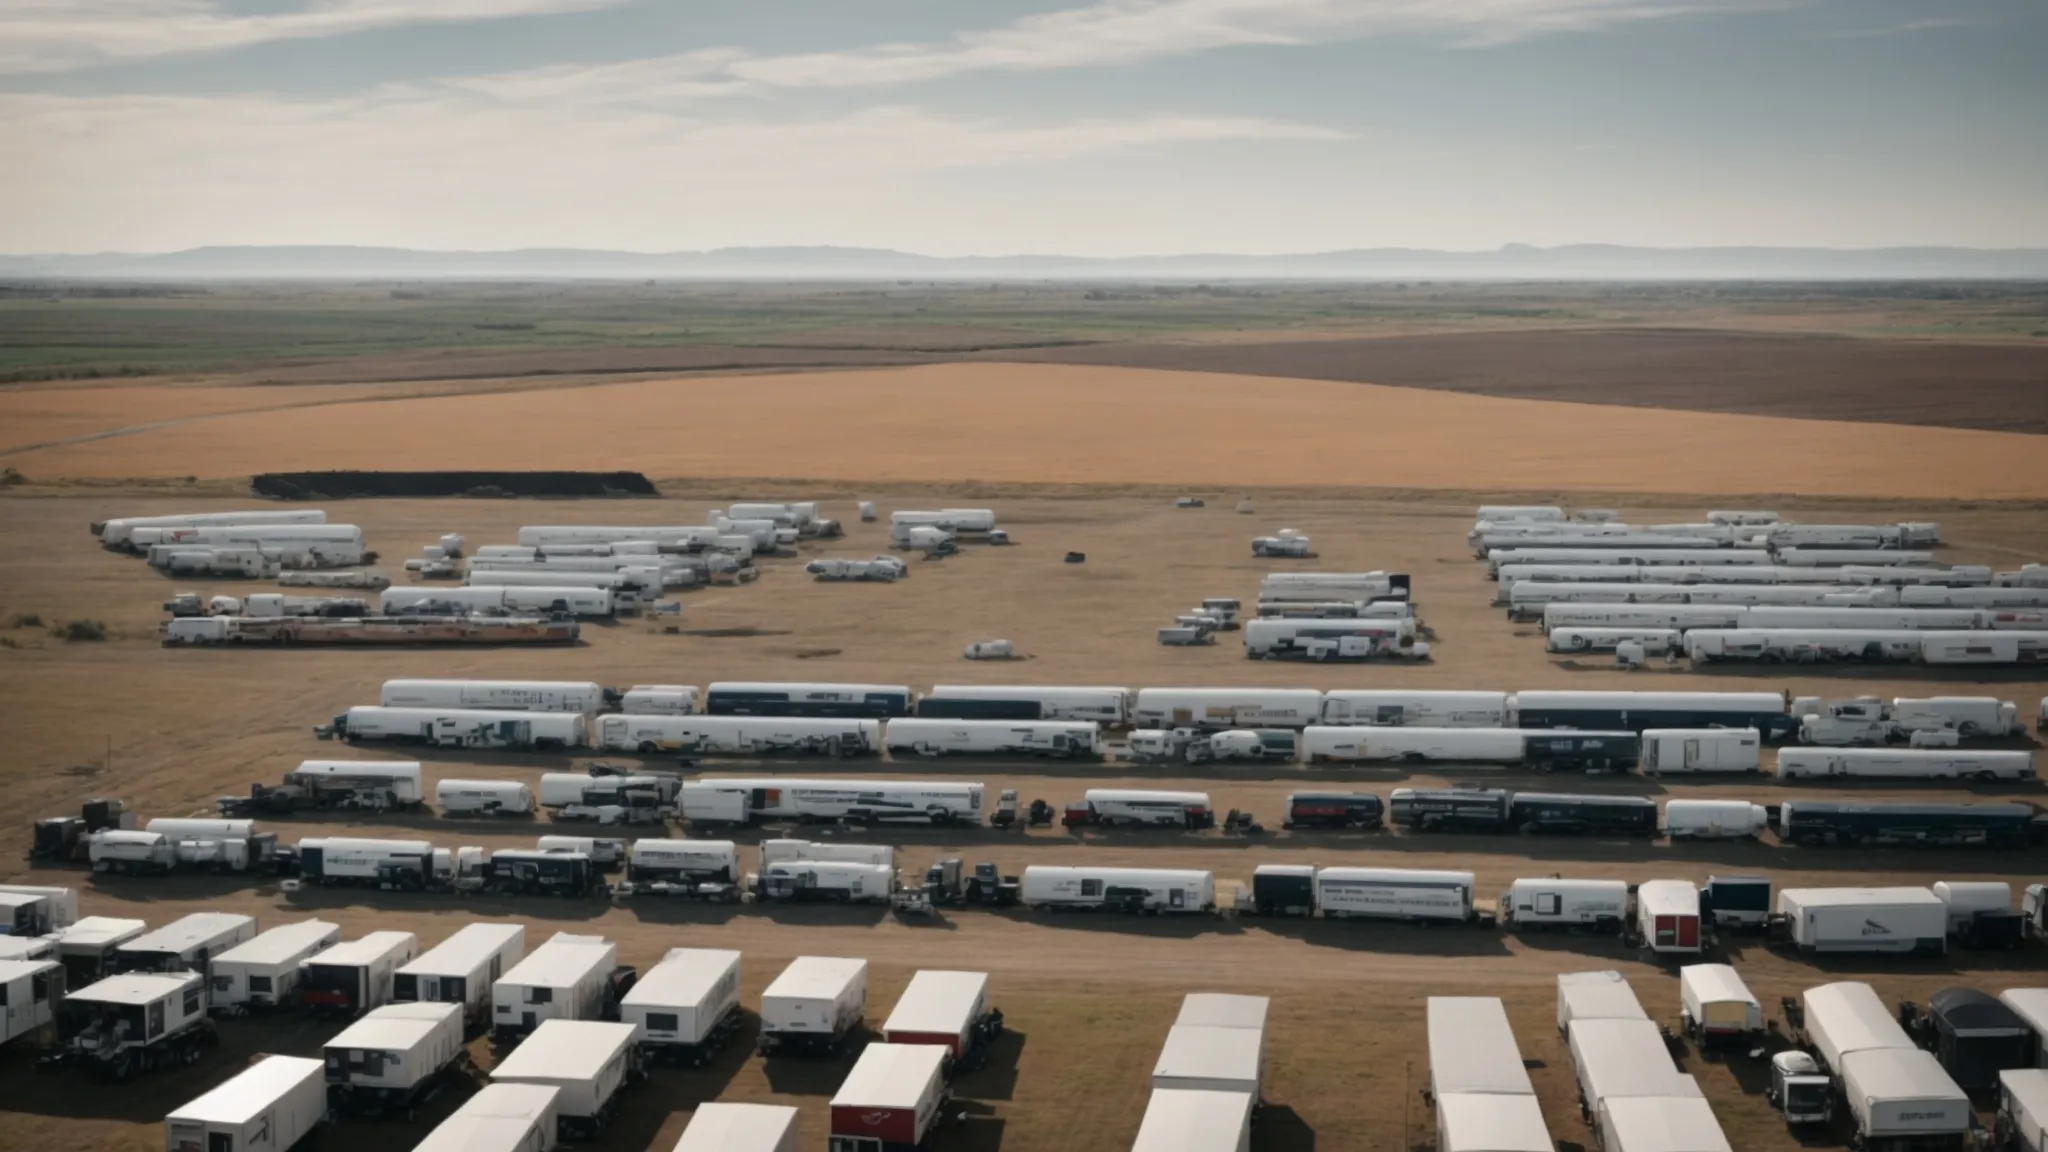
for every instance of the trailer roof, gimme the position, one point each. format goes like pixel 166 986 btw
pixel 14 968
pixel 135 987
pixel 497 1119
pixel 1399 876
pixel 938 1002
pixel 1301 870
pixel 1899 1074
pixel 280 944
pixel 1208 1052
pixel 99 932
pixel 1472 1048
pixel 1857 897
pixel 1618 1058
pixel 719 1127
pixel 395 1026
pixel 1193 1120
pixel 24 948
pixel 1223 1010
pixel 560 962
pixel 1603 995
pixel 1663 1124
pixel 2028 1087
pixel 252 1091
pixel 368 950
pixel 890 1076
pixel 565 1050
pixel 1144 796
pixel 1715 984
pixel 1968 1012
pixel 178 935
pixel 684 976
pixel 816 978
pixel 1668 897
pixel 2030 1004
pixel 1850 1018
pixel 1488 1122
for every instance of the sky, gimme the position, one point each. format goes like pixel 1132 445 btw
pixel 992 127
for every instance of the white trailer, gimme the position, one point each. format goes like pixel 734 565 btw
pixel 1805 645
pixel 1472 1049
pixel 1195 1120
pixel 1488 1122
pixel 589 1060
pixel 1597 995
pixel 1715 1005
pixel 1395 894
pixel 495 695
pixel 1151 890
pixel 116 532
pixel 87 948
pixel 462 969
pixel 1058 739
pixel 659 700
pixel 1702 554
pixel 391 1058
pixel 483 798
pixel 2023 1108
pixel 605 853
pixel 187 944
pixel 813 880
pixel 709 869
pixel 1667 917
pixel 250 562
pixel 1964 899
pixel 463 728
pixel 557 600
pixel 1597 540
pixel 1540 513
pixel 1539 905
pixel 721 1127
pixel 1835 557
pixel 1611 639
pixel 1624 1059
pixel 689 538
pixel 1103 705
pixel 1659 1124
pixel 1858 536
pixel 30 991
pixel 358 861
pixel 566 978
pixel 941 1008
pixel 890 1100
pixel 1270 639
pixel 1226 708
pixel 36 910
pixel 782 851
pixel 1206 1057
pixel 271 1105
pixel 687 1005
pixel 1847 1017
pixel 814 1005
pixel 1970 716
pixel 1984 647
pixel 1422 708
pixel 1325 744
pixel 1674 617
pixel 353 978
pixel 739 735
pixel 831 800
pixel 499 1118
pixel 1981 599
pixel 264 973
pixel 626 587
pixel 1864 920
pixel 1902 1098
pixel 1904 764
pixel 378 784
pixel 1142 807
pixel 1862 619
pixel 1677 750
pixel 1714 819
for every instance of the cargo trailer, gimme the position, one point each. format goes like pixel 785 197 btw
pixel 507 695
pixel 890 1101
pixel 1900 1099
pixel 264 973
pixel 1864 920
pixel 1331 639
pixel 700 869
pixel 1226 708
pixel 1472 1049
pixel 1661 620
pixel 1056 739
pixel 589 1060
pixel 2027 648
pixel 2031 1005
pixel 1906 763
pixel 1741 902
pixel 1668 917
pixel 739 735
pixel 1284 890
pixel 1576 814
pixel 1676 750
pixel 497 599
pixel 1589 639
pixel 826 880
pixel 1715 1006
pixel 1624 1059
pixel 1432 709
pixel 1211 1058
pixel 567 978
pixel 1489 1122
pixel 1976 1036
pixel 87 948
pixel 1323 744
pixel 30 991
pixel 1659 1124
pixel 459 728
pixel 35 910
pixel 1714 819
pixel 1944 825
pixel 1931 596
pixel 814 1006
pixel 659 700
pixel 353 978
pixel 394 1056
pixel 688 538
pixel 542 872
pixel 1361 810
pixel 1141 808
pixel 1965 899
pixel 271 1105
pixel 1847 1017
pixel 483 798
pixel 776 798
pixel 1103 705
pixel 1135 890
pixel 216 845
pixel 948 1009
pixel 687 1007
pixel 784 851
pixel 1702 554
pixel 1638 711
pixel 1195 1120
pixel 1597 995
pixel 721 1127
pixel 1807 645
pixel 188 944
pixel 462 969
pixel 388 864
pixel 1550 750
pixel 1555 904
pixel 116 533
pixel 499 1118
pixel 1449 809
pixel 1395 894
pixel 840 701
pixel 2022 1118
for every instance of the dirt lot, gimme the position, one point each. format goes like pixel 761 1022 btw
pixel 1022 424
pixel 1090 998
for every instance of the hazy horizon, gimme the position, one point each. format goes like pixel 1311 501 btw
pixel 1077 128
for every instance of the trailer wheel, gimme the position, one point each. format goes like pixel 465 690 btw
pixel 1578 642
pixel 1968 730
pixel 647 748
pixel 1988 777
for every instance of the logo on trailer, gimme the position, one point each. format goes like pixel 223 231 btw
pixel 1873 928
pixel 874 1119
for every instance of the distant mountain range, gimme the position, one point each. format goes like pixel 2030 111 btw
pixel 1512 262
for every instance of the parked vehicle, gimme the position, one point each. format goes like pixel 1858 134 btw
pixel 946 1009
pixel 892 1098
pixel 827 880
pixel 1437 709
pixel 1572 905
pixel 997 701
pixel 1053 739
pixel 1675 750
pixel 1141 808
pixel 750 800
pixel 507 695
pixel 842 701
pixel 1863 920
pixel 1905 763
pixel 1361 810
pixel 659 700
pixel 273 1103
pixel 1667 917
pixel 462 969
pixel 1596 995
pixel 1569 813
pixel 1714 819
pixel 698 869
pixel 567 978
pixel 1638 711
pixel 687 1007
pixel 1971 825
pixel 459 728
pixel 353 978
pixel 1419 895
pixel 132 1023
pixel 394 1057
pixel 1325 744
pixel 1737 902
pixel 590 1061
pixel 814 1006
pixel 264 972
pixel 1226 708
pixel 1132 890
pixel 1449 809
pixel 483 798
pixel 2022 1120
pixel 187 944
pixel 739 735
pixel 31 988
pixel 1716 1007
pixel 722 1127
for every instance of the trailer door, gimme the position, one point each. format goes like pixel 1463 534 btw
pixel 1692 752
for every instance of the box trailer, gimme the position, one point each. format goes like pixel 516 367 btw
pixel 1662 619
pixel 2031 1005
pixel 1226 708
pixel 1847 1017
pixel 1976 1036
pixel 2022 1116
pixel 505 695
pixel 836 800
pixel 567 978
pixel 353 978
pixel 1208 1057
pixel 840 701
pixel 668 538
pixel 1103 705
pixel 890 1101
pixel 589 1060
pixel 1195 1120
pixel 783 851
pixel 1433 709
pixel 1284 890
pixel 1864 919
pixel 1741 902
pixel 721 1127
pixel 30 910
pixel 1449 809
pixel 949 1009
pixel 116 532
pixel 1715 1006
pixel 1933 596
pixel 1970 716
pixel 1589 639
pixel 87 949
pixel 1668 917
pixel 1901 1099
pixel 2028 648
pixel 188 944
pixel 1599 995
pixel 659 700
pixel 1659 1124
pixel 1965 899
pixel 483 798
pixel 1412 894
pixel 30 991
pixel 1568 905
pixel 1639 711
pixel 389 864
pixel 271 1105
pixel 813 1006
pixel 213 844
pixel 1323 744
pixel 686 1007
pixel 1141 808
pixel 1676 750
pixel 826 880
pixel 1906 763
pixel 463 728
pixel 544 600
pixel 462 969
pixel 1623 1059
pixel 394 1056
pixel 264 973
pixel 1714 819
pixel 1951 825
pixel 1055 739
pixel 1361 810
pixel 701 869
pixel 1573 814
pixel 709 735
pixel 1147 890
pixel 1489 1122
pixel 1472 1049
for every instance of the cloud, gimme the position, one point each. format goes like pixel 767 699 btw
pixel 56 35
pixel 1930 24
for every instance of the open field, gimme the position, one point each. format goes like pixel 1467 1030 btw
pixel 1090 998
pixel 1021 424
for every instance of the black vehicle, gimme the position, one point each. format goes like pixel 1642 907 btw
pixel 1636 711
pixel 956 709
pixel 1450 809
pixel 1581 751
pixel 1736 901
pixel 1362 810
pixel 764 700
pixel 1939 825
pixel 1563 814
pixel 1284 890
pixel 531 871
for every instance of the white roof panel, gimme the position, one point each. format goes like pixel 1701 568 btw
pixel 183 933
pixel 1900 1074
pixel 461 952
pixel 1222 1010
pixel 737 1128
pixel 816 978
pixel 684 976
pixel 2031 1004
pixel 1661 1124
pixel 1192 1120
pixel 1715 984
pixel 1848 1017
pixel 135 987
pixel 890 1076
pixel 560 962
pixel 499 1118
pixel 98 933
pixel 253 1090
pixel 1207 1052
pixel 1488 1122
pixel 1472 1049
pixel 395 1026
pixel 565 1050
pixel 368 950
pixel 1603 995
pixel 1618 1058
pixel 1857 897
pixel 280 944
pixel 938 1002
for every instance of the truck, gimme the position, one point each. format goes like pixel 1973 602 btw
pixel 371 785
pixel 892 1099
pixel 1412 894
pixel 350 979
pixel 1676 750
pixel 273 1103
pixel 1148 891
pixel 590 1061
pixel 394 1057
pixel 1716 1008
pixel 814 1006
pixel 463 728
pixel 1052 739
pixel 1900 920
pixel 1422 708
pixel 1868 720
pixel 187 944
pixel 693 869
pixel 1226 708
pixel 808 801
pixel 1141 808
pixel 462 969
pixel 568 978
pixel 264 972
pixel 687 1008
pixel 1714 819
pixel 711 735
pixel 131 1023
pixel 1449 809
pixel 1554 904
pixel 496 695
pixel 1820 822
pixel 1906 763
pixel 1667 917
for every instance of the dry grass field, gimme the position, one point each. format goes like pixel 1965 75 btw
pixel 1090 998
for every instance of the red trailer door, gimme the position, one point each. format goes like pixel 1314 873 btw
pixel 1688 932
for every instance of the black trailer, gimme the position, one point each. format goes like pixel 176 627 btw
pixel 1581 751
pixel 1284 890
pixel 1976 1036
pixel 534 872
pixel 1818 822
pixel 1557 813
pixel 955 708
pixel 777 702
pixel 1362 810
pixel 1450 809
pixel 1736 902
